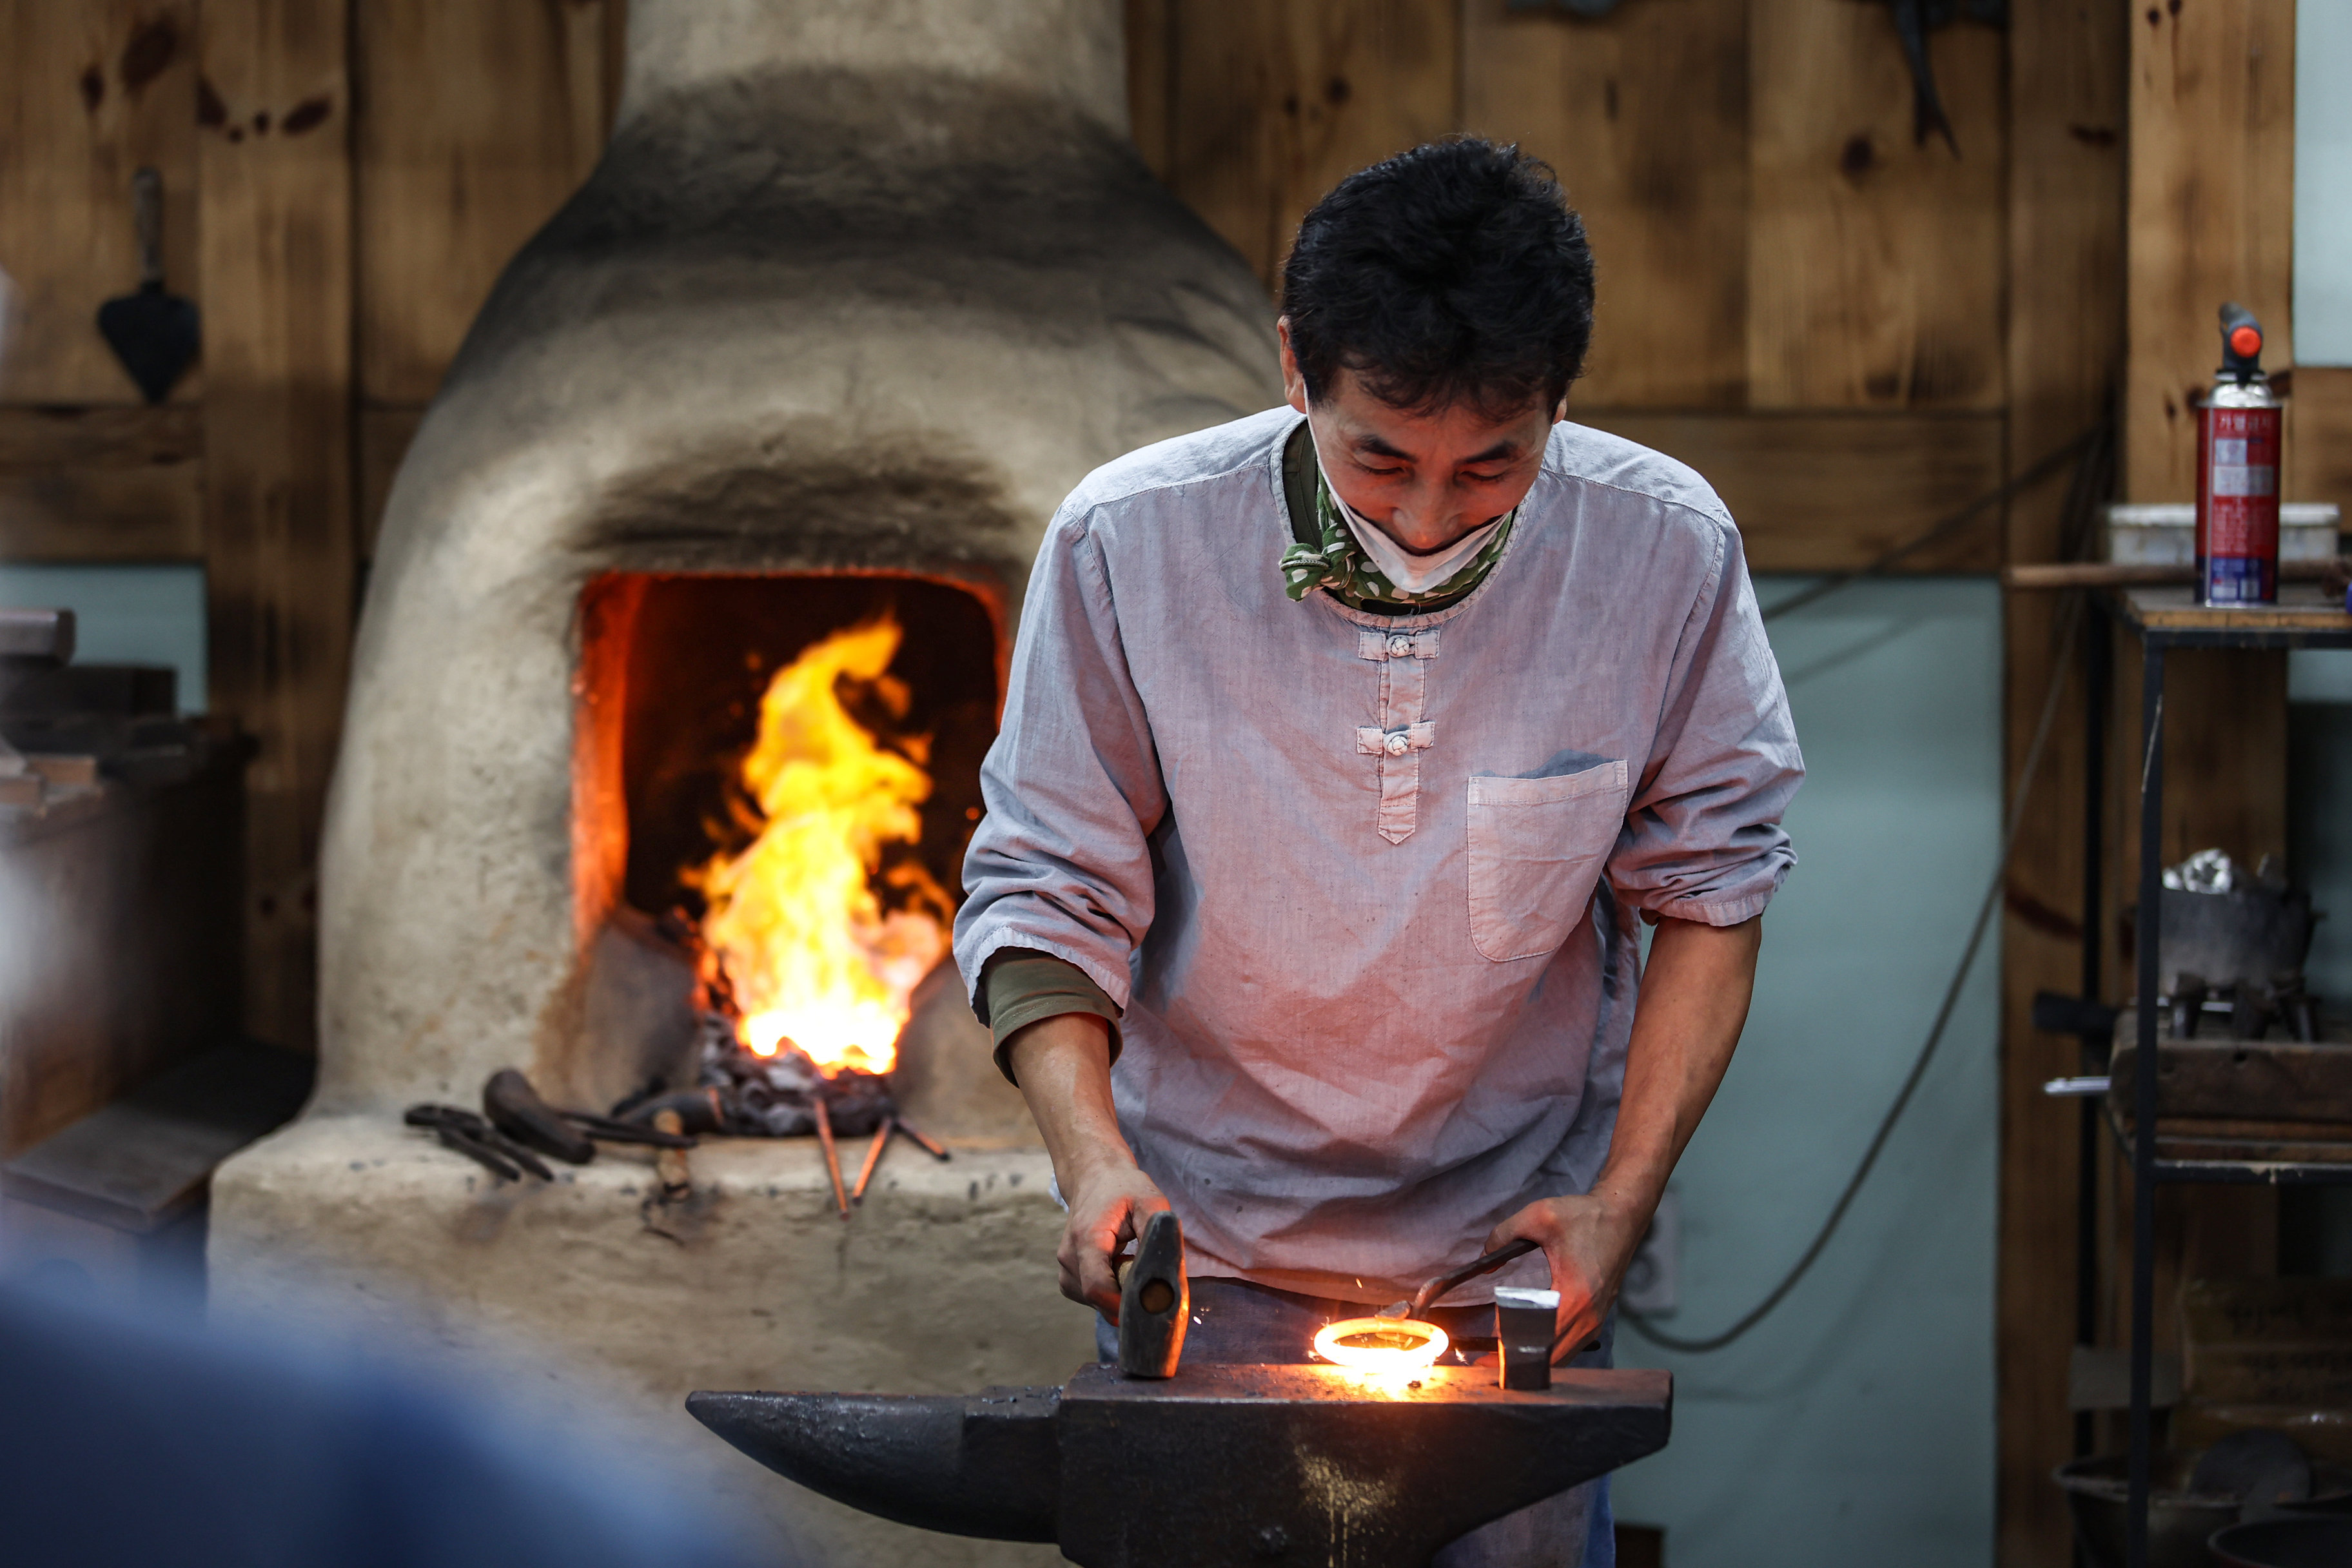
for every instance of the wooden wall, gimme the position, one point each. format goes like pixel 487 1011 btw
pixel 1850 331
pixel 1794 295
pixel 343 180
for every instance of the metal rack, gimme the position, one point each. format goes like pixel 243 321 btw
pixel 2164 619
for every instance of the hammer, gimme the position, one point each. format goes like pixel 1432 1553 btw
pixel 1155 1303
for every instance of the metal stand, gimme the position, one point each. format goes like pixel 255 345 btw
pixel 2164 619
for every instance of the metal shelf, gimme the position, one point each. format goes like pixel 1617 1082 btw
pixel 2164 619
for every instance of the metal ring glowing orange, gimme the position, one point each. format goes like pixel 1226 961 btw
pixel 1377 1348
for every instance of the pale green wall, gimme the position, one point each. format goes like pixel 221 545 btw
pixel 123 615
pixel 1857 1424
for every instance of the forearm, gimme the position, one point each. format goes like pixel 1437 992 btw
pixel 1063 1065
pixel 1694 1002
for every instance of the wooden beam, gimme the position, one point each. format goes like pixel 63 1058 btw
pixel 2212 216
pixel 478 121
pixel 384 437
pixel 1644 115
pixel 2319 437
pixel 277 267
pixel 1150 86
pixel 2067 67
pixel 101 484
pixel 1875 261
pixel 103 515
pixel 1272 105
pixel 2209 217
pixel 96 90
pixel 1832 493
pixel 38 439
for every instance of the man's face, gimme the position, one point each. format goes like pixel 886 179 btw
pixel 1424 480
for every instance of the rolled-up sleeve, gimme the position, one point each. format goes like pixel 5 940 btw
pixel 1061 863
pixel 1703 839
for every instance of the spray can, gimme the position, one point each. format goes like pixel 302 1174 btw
pixel 2238 473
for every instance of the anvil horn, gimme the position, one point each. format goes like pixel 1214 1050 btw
pixel 987 1464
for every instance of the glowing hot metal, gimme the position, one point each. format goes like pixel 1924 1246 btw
pixel 1381 1344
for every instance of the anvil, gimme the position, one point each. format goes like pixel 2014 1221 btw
pixel 1221 1464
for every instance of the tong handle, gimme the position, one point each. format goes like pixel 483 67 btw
pixel 1431 1290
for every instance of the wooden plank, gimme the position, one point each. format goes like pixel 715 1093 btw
pixel 1831 492
pixel 45 438
pixel 2211 199
pixel 2301 607
pixel 2067 67
pixel 140 1161
pixel 2319 437
pixel 154 513
pixel 1644 115
pixel 1875 264
pixel 96 90
pixel 1274 104
pixel 1151 85
pixel 101 484
pixel 480 120
pixel 385 435
pixel 277 491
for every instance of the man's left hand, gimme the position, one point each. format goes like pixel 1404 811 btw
pixel 1694 992
pixel 1589 1241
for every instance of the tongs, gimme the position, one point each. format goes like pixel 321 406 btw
pixel 1437 1285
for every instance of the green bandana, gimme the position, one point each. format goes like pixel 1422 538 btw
pixel 1338 563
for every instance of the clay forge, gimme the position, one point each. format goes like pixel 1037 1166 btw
pixel 853 299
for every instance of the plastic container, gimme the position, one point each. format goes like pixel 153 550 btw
pixel 2165 534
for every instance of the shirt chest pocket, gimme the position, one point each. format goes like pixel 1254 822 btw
pixel 1536 848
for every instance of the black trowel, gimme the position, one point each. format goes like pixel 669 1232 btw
pixel 153 334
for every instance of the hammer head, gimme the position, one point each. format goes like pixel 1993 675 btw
pixel 1155 1303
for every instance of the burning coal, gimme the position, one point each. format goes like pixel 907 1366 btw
pixel 814 935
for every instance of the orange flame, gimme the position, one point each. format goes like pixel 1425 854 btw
pixel 795 923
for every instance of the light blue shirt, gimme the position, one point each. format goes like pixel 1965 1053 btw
pixel 1365 886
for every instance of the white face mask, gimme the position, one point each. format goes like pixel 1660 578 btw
pixel 1405 571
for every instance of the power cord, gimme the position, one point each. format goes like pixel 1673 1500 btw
pixel 2095 447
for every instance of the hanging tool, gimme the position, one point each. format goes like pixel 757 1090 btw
pixel 155 334
pixel 1913 20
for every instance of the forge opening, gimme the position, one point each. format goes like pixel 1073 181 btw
pixel 775 777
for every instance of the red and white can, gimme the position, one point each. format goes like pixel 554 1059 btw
pixel 2238 476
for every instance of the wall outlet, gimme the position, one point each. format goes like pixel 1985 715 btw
pixel 1653 1280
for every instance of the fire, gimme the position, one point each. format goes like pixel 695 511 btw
pixel 795 925
pixel 1381 1344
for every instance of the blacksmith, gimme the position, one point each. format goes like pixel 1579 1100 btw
pixel 1344 745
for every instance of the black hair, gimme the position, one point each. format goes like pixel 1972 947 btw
pixel 1456 272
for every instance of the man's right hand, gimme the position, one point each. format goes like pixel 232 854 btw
pixel 1107 1212
pixel 1063 1063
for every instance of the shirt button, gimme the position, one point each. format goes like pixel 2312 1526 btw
pixel 1399 645
pixel 1394 746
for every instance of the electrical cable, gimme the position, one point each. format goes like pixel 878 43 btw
pixel 2025 479
pixel 2094 444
